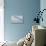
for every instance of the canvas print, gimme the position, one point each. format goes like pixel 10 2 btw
pixel 17 19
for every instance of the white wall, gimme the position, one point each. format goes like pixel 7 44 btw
pixel 43 6
pixel 1 20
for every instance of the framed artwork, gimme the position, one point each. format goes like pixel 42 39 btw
pixel 17 19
